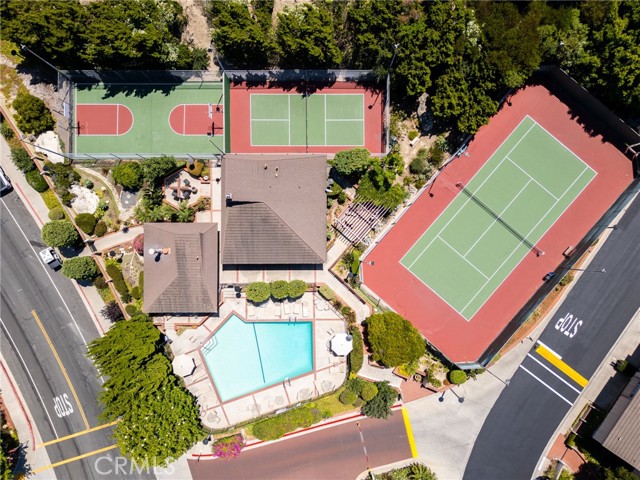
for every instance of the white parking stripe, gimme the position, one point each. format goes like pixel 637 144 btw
pixel 553 373
pixel 523 368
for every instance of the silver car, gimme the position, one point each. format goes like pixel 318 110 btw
pixel 50 257
pixel 5 183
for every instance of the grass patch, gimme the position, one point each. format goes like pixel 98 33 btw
pixel 11 51
pixel 106 294
pixel 332 405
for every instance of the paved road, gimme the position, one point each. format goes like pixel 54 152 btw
pixel 43 332
pixel 586 326
pixel 333 453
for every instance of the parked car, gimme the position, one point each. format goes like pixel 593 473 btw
pixel 5 183
pixel 50 257
pixel 549 276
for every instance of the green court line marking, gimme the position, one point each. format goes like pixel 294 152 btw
pixel 422 266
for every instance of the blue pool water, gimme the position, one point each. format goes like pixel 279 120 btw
pixel 243 357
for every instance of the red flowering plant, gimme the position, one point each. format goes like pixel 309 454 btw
pixel 228 447
pixel 138 244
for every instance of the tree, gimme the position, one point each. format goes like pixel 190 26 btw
pixel 80 268
pixel 352 163
pixel 155 169
pixel 306 39
pixel 86 222
pixel 243 40
pixel 258 292
pixel 369 391
pixel 280 289
pixel 296 288
pixel 22 160
pixel 380 405
pixel 393 340
pixel 112 312
pixel 185 213
pixel 419 165
pixel 128 174
pixel 60 233
pixel 32 115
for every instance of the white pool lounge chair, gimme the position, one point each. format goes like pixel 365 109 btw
pixel 305 309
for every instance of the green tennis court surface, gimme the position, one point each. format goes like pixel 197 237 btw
pixel 314 120
pixel 497 218
pixel 151 106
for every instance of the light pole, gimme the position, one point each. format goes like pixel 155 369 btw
pixel 506 382
pixel 388 100
pixel 460 399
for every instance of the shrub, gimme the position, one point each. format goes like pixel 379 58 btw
pixel 112 312
pixel 420 164
pixel 327 293
pixel 228 447
pixel 50 199
pixel 101 228
pixel 280 289
pixel 621 365
pixel 129 175
pixel 352 163
pixel 6 131
pixel 63 177
pixel 258 292
pixel 100 283
pixel 125 297
pixel 566 280
pixel 86 222
pixel 59 233
pixel 358 403
pixel 457 377
pixel 138 244
pixel 275 427
pixel 80 268
pixel 135 293
pixel 355 385
pixel 347 397
pixel 437 152
pixel 342 197
pixel 380 405
pixel 195 168
pixel 131 310
pixel 369 391
pixel 88 183
pixel 32 115
pixel 356 356
pixel 157 168
pixel 118 280
pixel 355 263
pixel 56 214
pixel 393 339
pixel 297 288
pixel 413 134
pixel 141 282
pixel 36 181
pixel 22 160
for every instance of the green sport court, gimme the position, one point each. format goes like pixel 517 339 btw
pixel 321 119
pixel 150 119
pixel 497 218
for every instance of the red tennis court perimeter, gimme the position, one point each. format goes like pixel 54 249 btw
pixel 465 341
pixel 370 115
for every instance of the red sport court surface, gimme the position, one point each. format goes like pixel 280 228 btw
pixel 372 115
pixel 197 119
pixel 103 119
pixel 458 339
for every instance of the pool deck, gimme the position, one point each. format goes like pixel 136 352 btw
pixel 329 372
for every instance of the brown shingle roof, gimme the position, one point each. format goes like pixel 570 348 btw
pixel 185 280
pixel 620 430
pixel 277 214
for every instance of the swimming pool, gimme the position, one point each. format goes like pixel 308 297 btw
pixel 243 357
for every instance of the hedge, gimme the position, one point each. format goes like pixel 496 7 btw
pixel 369 391
pixel 327 293
pixel 22 160
pixel 101 228
pixel 36 181
pixel 258 292
pixel 275 427
pixel 86 222
pixel 280 289
pixel 131 310
pixel 135 293
pixel 297 288
pixel 348 397
pixel 457 377
pixel 50 199
pixel 80 268
pixel 357 354
pixel 56 214
pixel 118 280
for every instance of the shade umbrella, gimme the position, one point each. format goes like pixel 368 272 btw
pixel 183 365
pixel 341 344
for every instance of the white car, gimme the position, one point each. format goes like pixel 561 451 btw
pixel 5 183
pixel 50 257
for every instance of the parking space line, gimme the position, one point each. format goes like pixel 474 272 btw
pixel 553 373
pixel 555 360
pixel 77 434
pixel 73 459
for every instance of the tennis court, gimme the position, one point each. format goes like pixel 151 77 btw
pixel 157 118
pixel 497 218
pixel 320 119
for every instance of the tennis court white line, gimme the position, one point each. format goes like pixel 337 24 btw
pixel 538 379
pixel 538 183
pixel 527 236
pixel 344 120
pixel 553 373
pixel 461 256
pixel 495 220
pixel 269 119
pixel 469 199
